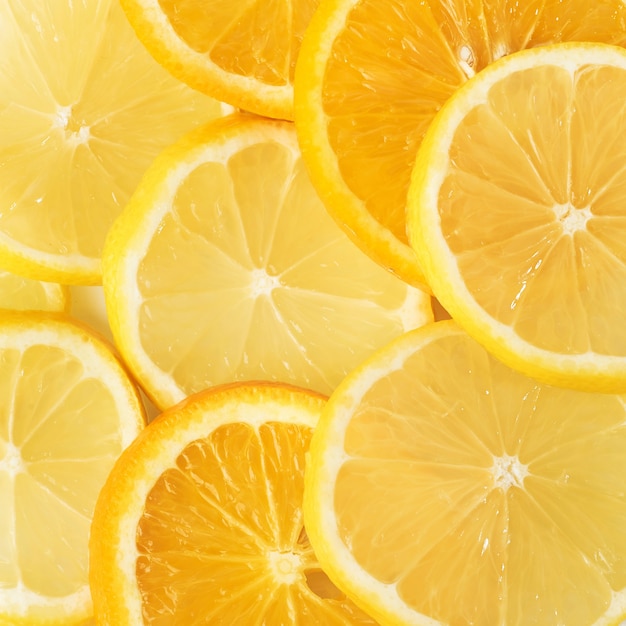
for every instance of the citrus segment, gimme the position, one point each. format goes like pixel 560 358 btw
pixel 201 518
pixel 244 54
pixel 371 76
pixel 68 411
pixel 445 488
pixel 516 216
pixel 19 293
pixel 82 109
pixel 225 266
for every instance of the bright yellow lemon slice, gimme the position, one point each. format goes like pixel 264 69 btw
pixel 445 488
pixel 518 212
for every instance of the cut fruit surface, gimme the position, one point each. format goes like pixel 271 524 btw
pixel 68 409
pixel 242 53
pixel 443 487
pixel 518 212
pixel 22 294
pixel 371 76
pixel 200 521
pixel 82 106
pixel 225 266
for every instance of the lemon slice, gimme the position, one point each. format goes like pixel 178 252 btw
pixel 443 487
pixel 201 518
pixel 22 294
pixel 372 75
pixel 83 108
pixel 518 212
pixel 68 410
pixel 225 266
pixel 242 53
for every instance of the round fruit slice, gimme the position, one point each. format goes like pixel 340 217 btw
pixel 518 212
pixel 243 53
pixel 22 294
pixel 443 487
pixel 371 76
pixel 68 409
pixel 225 266
pixel 85 109
pixel 200 520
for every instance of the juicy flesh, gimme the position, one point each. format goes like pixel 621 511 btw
pixel 249 266
pixel 237 551
pixel 503 500
pixel 395 63
pixel 532 207
pixel 82 103
pixel 19 293
pixel 259 39
pixel 56 449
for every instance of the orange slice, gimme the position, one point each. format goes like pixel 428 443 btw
pixel 243 53
pixel 201 518
pixel 371 76
pixel 443 487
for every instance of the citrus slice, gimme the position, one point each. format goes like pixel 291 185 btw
pixel 443 487
pixel 518 212
pixel 83 110
pixel 68 409
pixel 22 294
pixel 242 53
pixel 200 520
pixel 225 266
pixel 371 75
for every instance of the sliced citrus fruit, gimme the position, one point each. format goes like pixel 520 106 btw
pixel 371 75
pixel 68 409
pixel 22 294
pixel 518 212
pixel 443 487
pixel 85 109
pixel 200 520
pixel 242 53
pixel 225 266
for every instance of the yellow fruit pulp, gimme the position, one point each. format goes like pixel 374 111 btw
pixel 68 410
pixel 518 212
pixel 19 293
pixel 82 105
pixel 444 486
pixel 225 266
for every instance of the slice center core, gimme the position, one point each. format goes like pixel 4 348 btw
pixel 508 471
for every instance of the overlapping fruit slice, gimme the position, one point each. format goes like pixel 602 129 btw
pixel 200 521
pixel 243 53
pixel 68 410
pixel 225 266
pixel 518 212
pixel 445 488
pixel 372 75
pixel 82 108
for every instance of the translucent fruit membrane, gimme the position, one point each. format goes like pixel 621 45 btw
pixel 475 494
